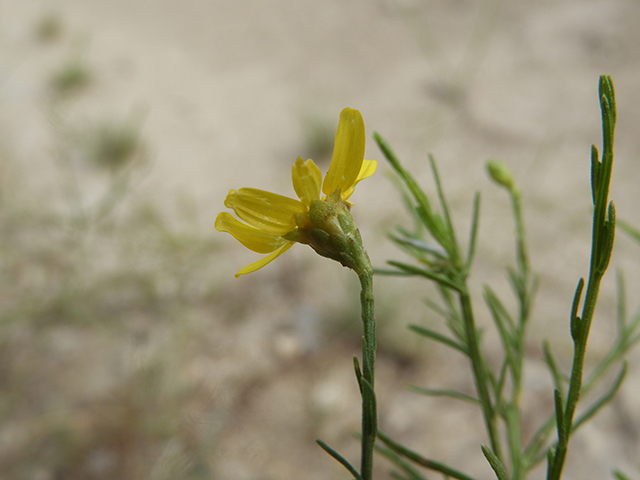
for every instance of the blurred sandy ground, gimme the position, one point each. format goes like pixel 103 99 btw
pixel 226 89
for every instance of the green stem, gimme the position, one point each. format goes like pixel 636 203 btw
pixel 523 260
pixel 575 385
pixel 480 374
pixel 369 415
pixel 525 288
pixel 601 246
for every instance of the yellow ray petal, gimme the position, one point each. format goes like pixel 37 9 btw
pixel 307 179
pixel 348 152
pixel 267 211
pixel 252 267
pixel 251 237
pixel 368 168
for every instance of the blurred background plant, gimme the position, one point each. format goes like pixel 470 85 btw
pixel 99 295
pixel 73 75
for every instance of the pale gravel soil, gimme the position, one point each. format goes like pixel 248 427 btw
pixel 225 87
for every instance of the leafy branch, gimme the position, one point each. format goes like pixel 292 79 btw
pixel 439 258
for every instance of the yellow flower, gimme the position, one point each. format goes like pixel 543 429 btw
pixel 267 218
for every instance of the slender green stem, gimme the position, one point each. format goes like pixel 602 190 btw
pixel 369 415
pixel 525 288
pixel 523 260
pixel 575 385
pixel 480 374
pixel 601 246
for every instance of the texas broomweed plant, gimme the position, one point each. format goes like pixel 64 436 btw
pixel 271 224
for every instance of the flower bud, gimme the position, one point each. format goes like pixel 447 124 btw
pixel 500 174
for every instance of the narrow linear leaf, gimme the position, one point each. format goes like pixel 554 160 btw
pixel 434 392
pixel 498 385
pixel 427 332
pixel 551 458
pixel 447 224
pixel 436 277
pixel 408 201
pixel 343 461
pixel 576 298
pixel 538 439
pixel 397 475
pixel 400 462
pixel 620 476
pixel 558 377
pixel 420 460
pixel 621 303
pixel 436 308
pixel 420 245
pixel 518 282
pixel 454 317
pixel 405 232
pixel 576 330
pixel 608 105
pixel 495 463
pixel 635 339
pixel 530 451
pixel 356 367
pixel 514 436
pixel 603 400
pixel 595 173
pixel 425 211
pixel 630 230
pixel 500 315
pixel 473 233
pixel 389 272
pixel 560 419
pixel 607 239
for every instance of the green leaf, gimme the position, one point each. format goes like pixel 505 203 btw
pixel 558 377
pixel 420 460
pixel 434 392
pixel 596 167
pixel 606 246
pixel 620 476
pixel 575 320
pixel 424 211
pixel 431 275
pixel 621 303
pixel 447 224
pixel 495 463
pixel 560 419
pixel 343 461
pixel 630 230
pixel 500 316
pixel 400 462
pixel 438 337
pixel 391 273
pixel 608 107
pixel 473 233
pixel 397 475
pixel 356 367
pixel 603 400
pixel 412 244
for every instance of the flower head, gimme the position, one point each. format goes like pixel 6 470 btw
pixel 271 223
